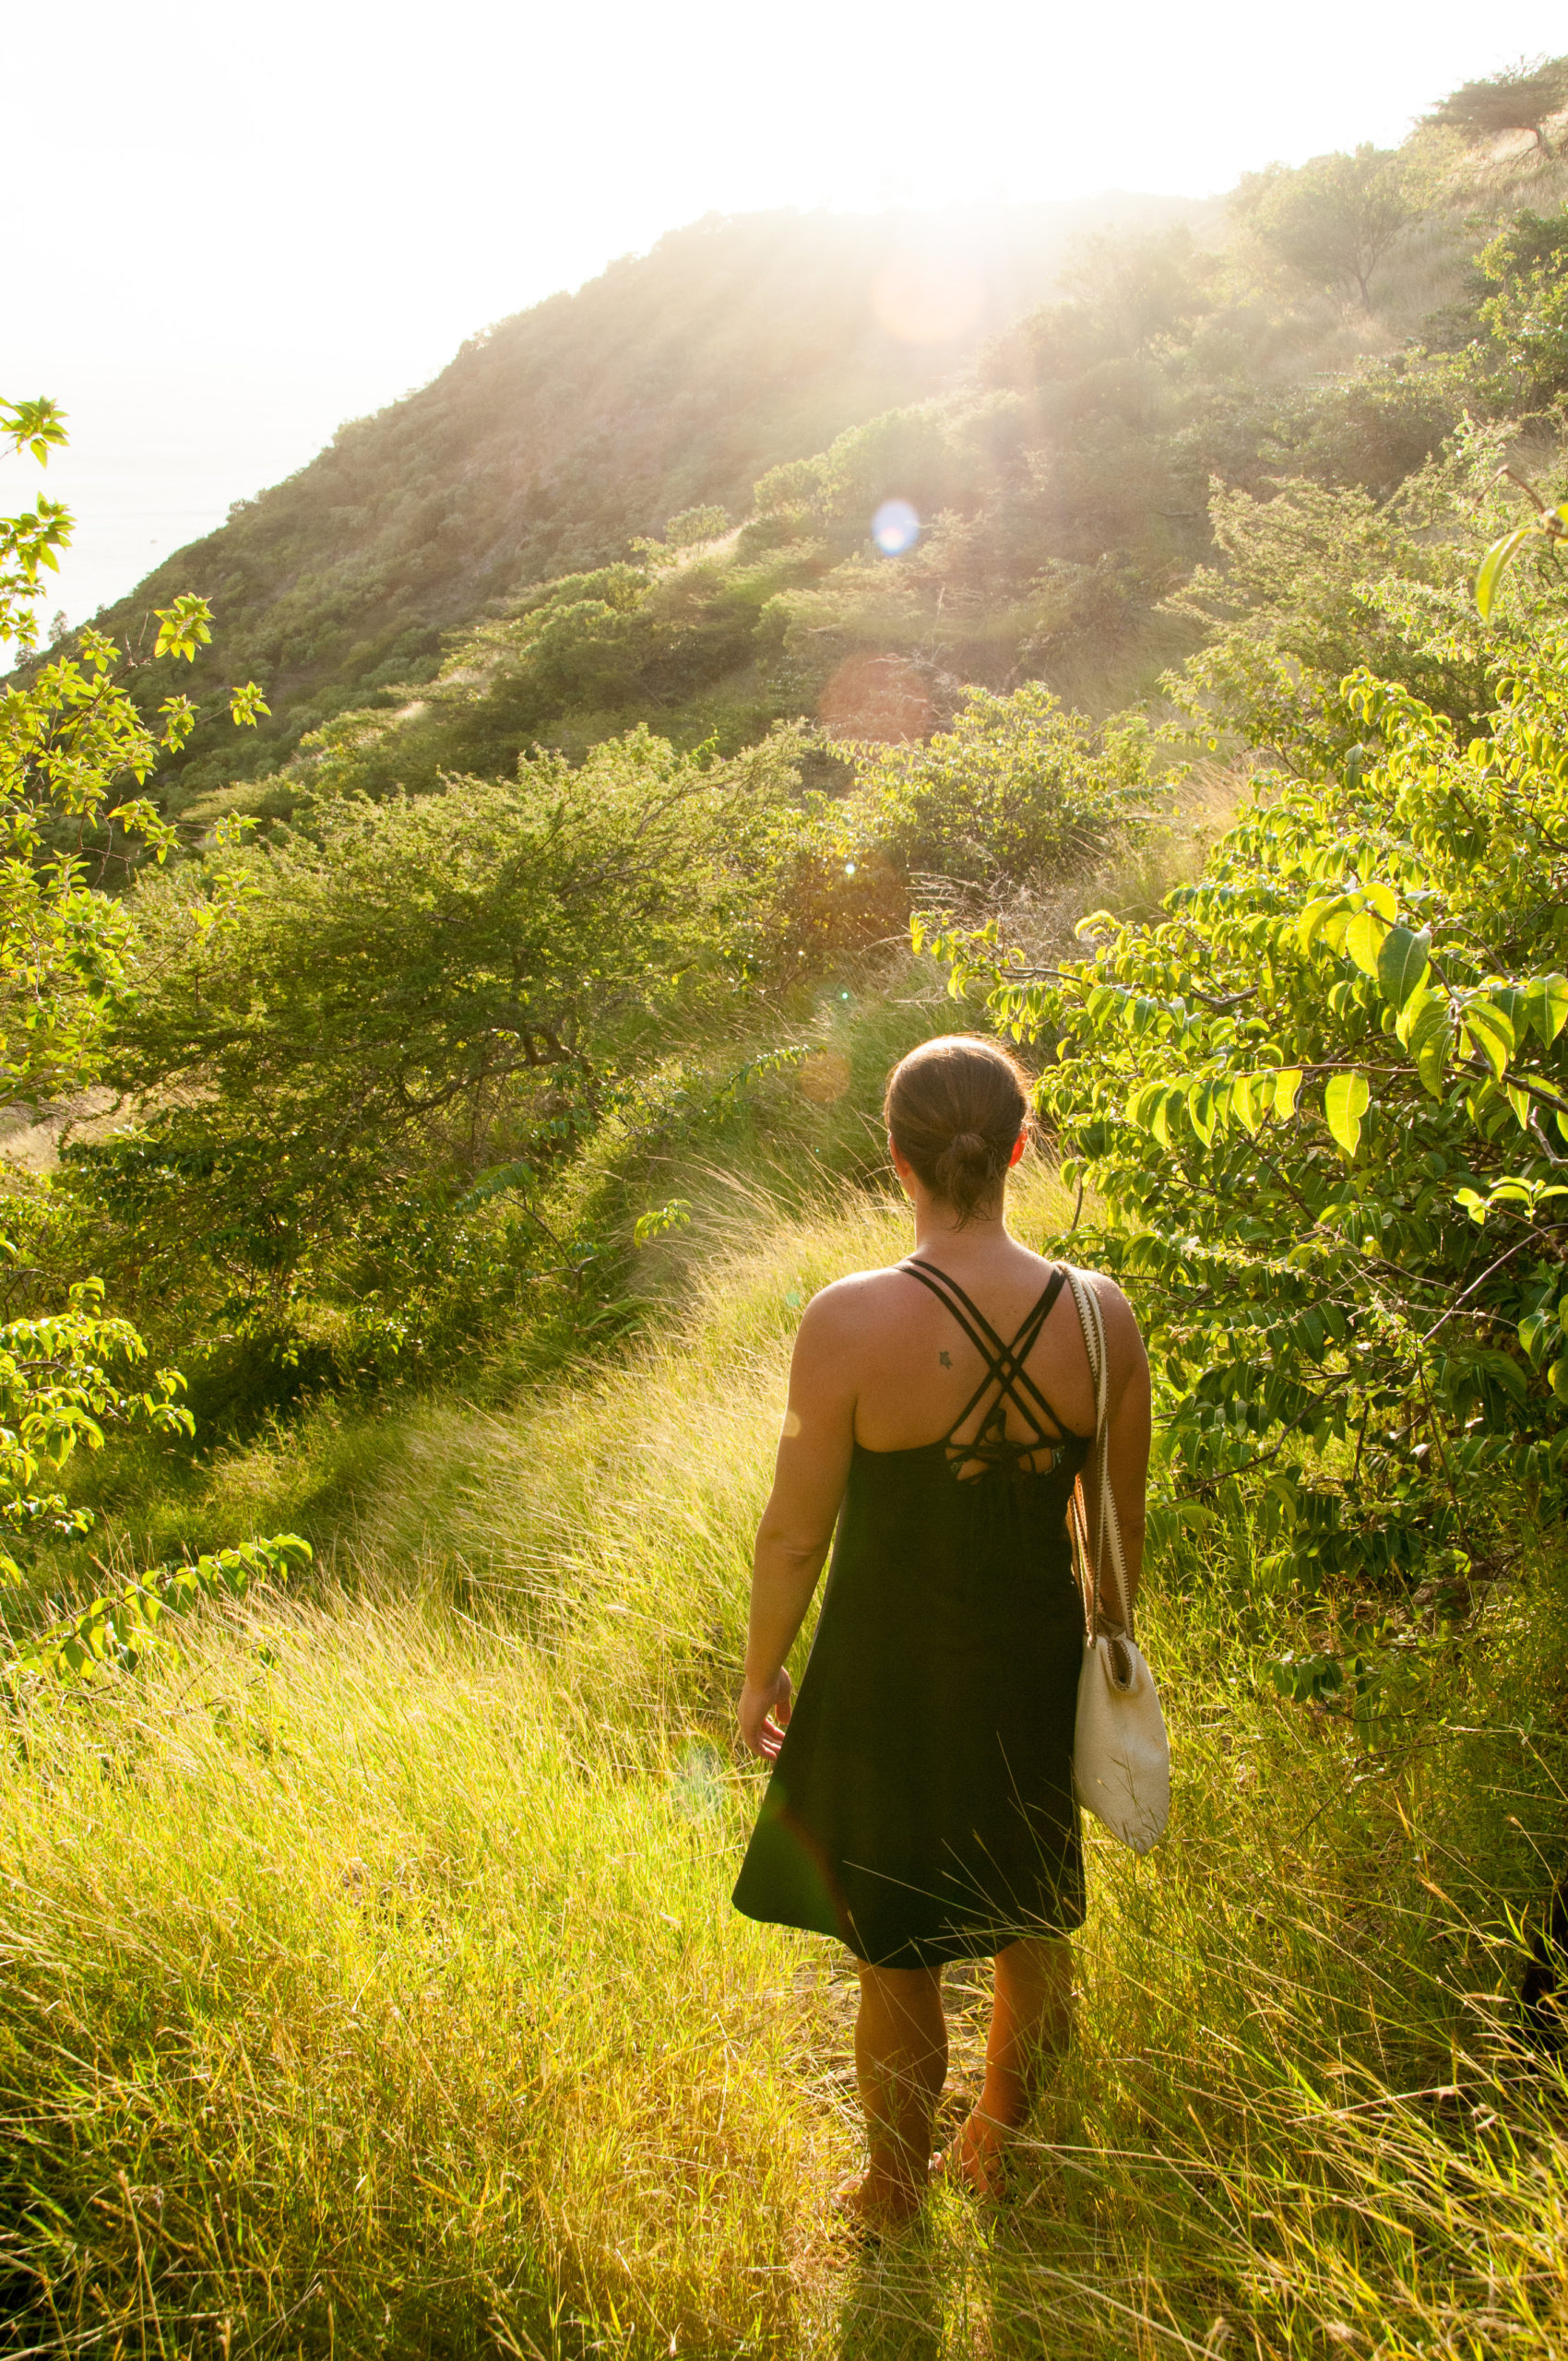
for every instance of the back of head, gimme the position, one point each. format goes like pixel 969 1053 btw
pixel 954 1107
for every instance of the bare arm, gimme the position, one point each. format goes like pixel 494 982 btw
pixel 1130 1424
pixel 797 1524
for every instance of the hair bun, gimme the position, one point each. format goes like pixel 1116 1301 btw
pixel 954 1108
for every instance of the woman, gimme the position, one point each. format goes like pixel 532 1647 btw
pixel 920 1806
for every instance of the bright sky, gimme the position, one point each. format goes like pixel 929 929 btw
pixel 229 229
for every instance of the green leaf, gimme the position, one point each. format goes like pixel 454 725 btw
pixel 1287 1084
pixel 246 705
pixel 1345 1102
pixel 1403 966
pixel 1249 1095
pixel 1504 1372
pixel 1431 1042
pixel 1363 940
pixel 1546 1006
pixel 1410 1017
pixel 183 627
pixel 660 1218
pixel 1472 1203
pixel 1495 564
pixel 1313 917
pixel 1490 1032
pixel 1535 1330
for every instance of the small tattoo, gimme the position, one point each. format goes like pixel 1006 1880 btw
pixel 945 1359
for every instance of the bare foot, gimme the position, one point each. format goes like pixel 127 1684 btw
pixel 979 2157
pixel 879 2205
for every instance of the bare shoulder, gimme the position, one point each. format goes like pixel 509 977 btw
pixel 1114 1309
pixel 849 1305
pixel 839 1328
pixel 1124 1338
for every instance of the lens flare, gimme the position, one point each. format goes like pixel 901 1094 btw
pixel 894 527
pixel 825 1077
pixel 880 697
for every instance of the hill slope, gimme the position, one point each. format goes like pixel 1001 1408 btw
pixel 1068 479
pixel 674 379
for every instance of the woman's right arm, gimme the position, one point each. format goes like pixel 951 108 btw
pixel 797 1524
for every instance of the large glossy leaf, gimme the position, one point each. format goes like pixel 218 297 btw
pixel 1250 1094
pixel 1201 1110
pixel 1546 1006
pixel 1536 1331
pixel 1403 966
pixel 1424 997
pixel 1431 1042
pixel 1344 1103
pixel 1490 1030
pixel 1363 940
pixel 1315 917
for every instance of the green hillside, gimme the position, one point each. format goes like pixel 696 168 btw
pixel 555 437
pixel 1068 483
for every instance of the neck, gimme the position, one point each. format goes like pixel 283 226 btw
pixel 937 1232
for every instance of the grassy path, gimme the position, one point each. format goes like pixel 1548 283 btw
pixel 369 1984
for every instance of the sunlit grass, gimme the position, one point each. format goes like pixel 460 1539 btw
pixel 370 1983
pixel 327 1994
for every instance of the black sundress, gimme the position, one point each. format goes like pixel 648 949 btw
pixel 921 1807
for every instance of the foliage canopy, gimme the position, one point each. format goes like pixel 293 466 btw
pixel 1324 1098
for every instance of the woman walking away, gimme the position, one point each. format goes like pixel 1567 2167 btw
pixel 920 1806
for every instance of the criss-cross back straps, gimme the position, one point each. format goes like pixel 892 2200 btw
pixel 1003 1369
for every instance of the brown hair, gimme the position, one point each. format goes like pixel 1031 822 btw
pixel 954 1107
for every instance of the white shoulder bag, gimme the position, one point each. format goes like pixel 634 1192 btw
pixel 1121 1754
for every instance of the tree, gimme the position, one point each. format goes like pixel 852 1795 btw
pixel 1334 219
pixel 1524 98
pixel 351 1042
pixel 1324 1099
pixel 1526 318
pixel 1313 582
pixel 70 737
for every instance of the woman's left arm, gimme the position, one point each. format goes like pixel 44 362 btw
pixel 797 1524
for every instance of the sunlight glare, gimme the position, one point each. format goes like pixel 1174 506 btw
pixel 925 298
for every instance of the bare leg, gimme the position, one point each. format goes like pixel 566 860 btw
pixel 901 2062
pixel 1031 2022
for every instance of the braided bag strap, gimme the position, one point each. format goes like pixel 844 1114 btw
pixel 1109 1524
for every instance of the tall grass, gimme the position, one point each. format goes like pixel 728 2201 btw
pixel 370 1984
